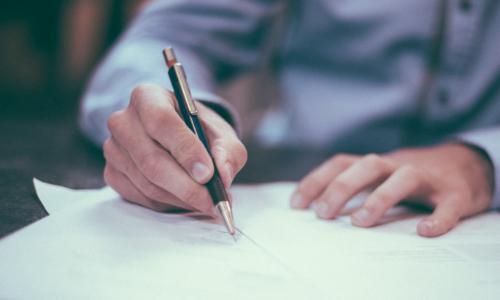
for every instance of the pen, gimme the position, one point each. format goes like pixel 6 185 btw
pixel 189 114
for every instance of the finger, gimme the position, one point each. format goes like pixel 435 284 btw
pixel 230 156
pixel 229 153
pixel 406 182
pixel 156 111
pixel 155 163
pixel 123 186
pixel 119 159
pixel 445 216
pixel 366 172
pixel 317 180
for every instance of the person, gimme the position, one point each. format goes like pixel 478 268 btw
pixel 417 82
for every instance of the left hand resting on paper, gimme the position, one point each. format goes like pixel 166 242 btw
pixel 453 179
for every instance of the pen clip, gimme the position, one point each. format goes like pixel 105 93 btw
pixel 184 89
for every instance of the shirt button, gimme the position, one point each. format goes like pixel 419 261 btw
pixel 465 5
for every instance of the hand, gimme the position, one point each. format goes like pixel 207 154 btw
pixel 453 179
pixel 154 160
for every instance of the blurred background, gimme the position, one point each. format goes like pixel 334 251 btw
pixel 48 49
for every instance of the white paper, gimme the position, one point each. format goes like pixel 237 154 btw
pixel 389 261
pixel 57 198
pixel 109 249
pixel 100 247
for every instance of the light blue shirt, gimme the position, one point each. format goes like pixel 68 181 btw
pixel 354 76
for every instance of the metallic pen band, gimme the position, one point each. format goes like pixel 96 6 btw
pixel 188 99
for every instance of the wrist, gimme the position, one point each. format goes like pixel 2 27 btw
pixel 479 164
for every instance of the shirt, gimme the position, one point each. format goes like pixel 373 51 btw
pixel 354 76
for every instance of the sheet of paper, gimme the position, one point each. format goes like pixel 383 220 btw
pixel 109 249
pixel 103 247
pixel 389 261
pixel 57 198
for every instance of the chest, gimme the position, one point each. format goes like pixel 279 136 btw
pixel 360 30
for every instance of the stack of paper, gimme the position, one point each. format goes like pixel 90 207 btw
pixel 94 245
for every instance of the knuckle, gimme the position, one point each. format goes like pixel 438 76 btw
pixel 409 171
pixel 342 160
pixel 139 93
pixel 185 147
pixel 107 174
pixel 115 121
pixel 374 160
pixel 157 121
pixel 151 167
pixel 107 149
pixel 382 198
pixel 413 176
pixel 242 153
pixel 135 99
pixel 238 155
pixel 308 185
pixel 341 187
pixel 151 93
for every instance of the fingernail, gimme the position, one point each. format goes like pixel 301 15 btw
pixel 428 225
pixel 361 216
pixel 296 201
pixel 200 172
pixel 321 209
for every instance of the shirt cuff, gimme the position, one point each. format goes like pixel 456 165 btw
pixel 488 141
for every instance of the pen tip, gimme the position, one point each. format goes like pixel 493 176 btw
pixel 227 216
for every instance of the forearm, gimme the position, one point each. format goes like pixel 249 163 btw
pixel 210 46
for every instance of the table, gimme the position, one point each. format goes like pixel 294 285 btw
pixel 49 148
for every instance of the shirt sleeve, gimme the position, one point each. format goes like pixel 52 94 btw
pixel 488 140
pixel 214 40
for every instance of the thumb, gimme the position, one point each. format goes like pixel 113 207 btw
pixel 445 216
pixel 230 155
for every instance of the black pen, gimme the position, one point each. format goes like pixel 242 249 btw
pixel 189 114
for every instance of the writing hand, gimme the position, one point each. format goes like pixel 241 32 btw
pixel 154 160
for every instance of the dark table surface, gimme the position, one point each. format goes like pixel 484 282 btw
pixel 52 149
